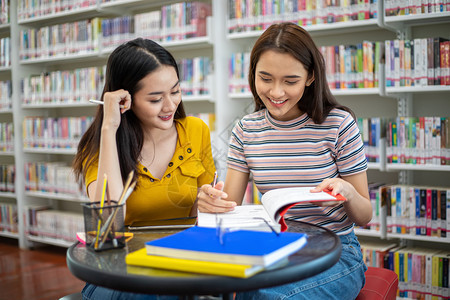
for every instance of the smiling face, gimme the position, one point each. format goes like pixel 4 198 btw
pixel 156 102
pixel 280 81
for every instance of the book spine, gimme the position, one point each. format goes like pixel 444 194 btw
pixel 448 213
pixel 443 221
pixel 434 212
pixel 387 62
pixel 428 212
pixel 430 59
pixel 437 61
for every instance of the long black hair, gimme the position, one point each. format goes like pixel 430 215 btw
pixel 127 65
pixel 317 100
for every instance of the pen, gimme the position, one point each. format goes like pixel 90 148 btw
pixel 101 103
pixel 215 179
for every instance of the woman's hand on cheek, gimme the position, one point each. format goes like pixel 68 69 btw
pixel 115 104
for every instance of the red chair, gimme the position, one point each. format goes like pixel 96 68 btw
pixel 381 284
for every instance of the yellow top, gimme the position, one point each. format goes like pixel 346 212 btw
pixel 173 195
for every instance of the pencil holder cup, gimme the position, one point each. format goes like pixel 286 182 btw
pixel 104 226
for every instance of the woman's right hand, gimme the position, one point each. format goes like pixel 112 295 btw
pixel 210 199
pixel 115 104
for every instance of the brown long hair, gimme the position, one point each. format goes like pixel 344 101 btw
pixel 317 100
pixel 126 66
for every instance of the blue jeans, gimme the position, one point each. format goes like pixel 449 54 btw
pixel 343 281
pixel 94 292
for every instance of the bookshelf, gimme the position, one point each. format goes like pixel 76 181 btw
pixel 35 106
pixel 219 44
pixel 8 203
pixel 381 101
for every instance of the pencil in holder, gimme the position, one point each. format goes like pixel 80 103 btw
pixel 104 226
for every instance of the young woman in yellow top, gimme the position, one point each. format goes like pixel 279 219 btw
pixel 142 126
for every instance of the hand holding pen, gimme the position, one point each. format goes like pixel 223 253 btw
pixel 217 185
pixel 211 198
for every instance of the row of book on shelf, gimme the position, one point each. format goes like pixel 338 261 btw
pixel 4 12
pixel 423 273
pixel 418 140
pixel 54 133
pixel 60 133
pixel 238 67
pixel 347 66
pixel 176 22
pixel 80 85
pixel 417 62
pixel 52 177
pixel 259 14
pixel 5 52
pixel 63 86
pixel 332 12
pixel 415 7
pixel 403 209
pixel 410 210
pixel 409 140
pixel 42 221
pixel 5 94
pixel 65 132
pixel 80 37
pixel 195 75
pixel 406 210
pixel 8 218
pixel 6 137
pixel 372 130
pixel 353 66
pixel 7 178
pixel 32 9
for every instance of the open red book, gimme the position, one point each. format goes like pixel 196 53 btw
pixel 275 204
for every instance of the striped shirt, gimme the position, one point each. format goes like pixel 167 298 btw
pixel 299 152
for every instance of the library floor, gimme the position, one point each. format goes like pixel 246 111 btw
pixel 39 274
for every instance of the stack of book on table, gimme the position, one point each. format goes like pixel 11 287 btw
pixel 239 253
pixel 250 243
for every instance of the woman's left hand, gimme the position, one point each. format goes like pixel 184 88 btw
pixel 355 189
pixel 334 186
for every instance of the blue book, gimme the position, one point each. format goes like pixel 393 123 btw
pixel 417 195
pixel 236 247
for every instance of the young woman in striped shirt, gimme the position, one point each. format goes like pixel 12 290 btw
pixel 299 136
